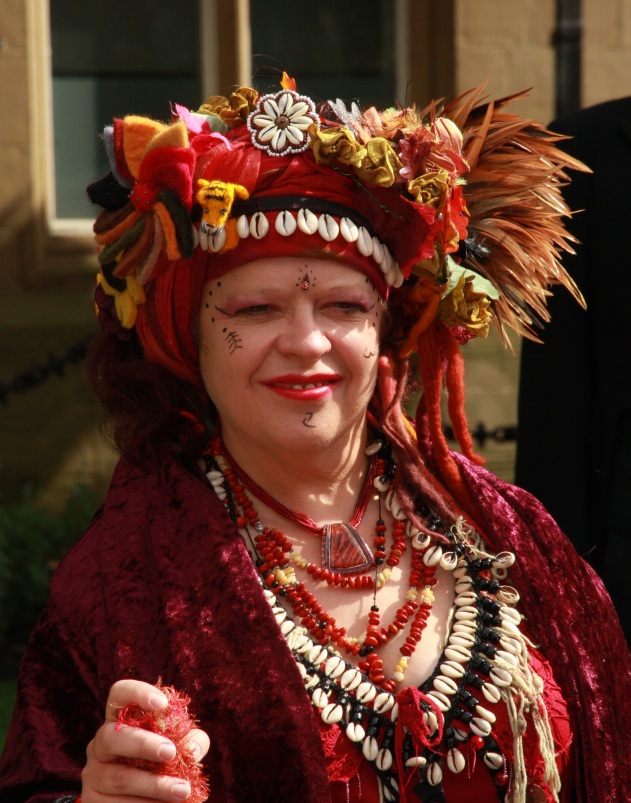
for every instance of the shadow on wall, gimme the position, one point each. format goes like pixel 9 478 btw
pixel 49 433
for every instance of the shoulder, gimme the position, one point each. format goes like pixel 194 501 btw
pixel 600 113
pixel 148 505
pixel 156 498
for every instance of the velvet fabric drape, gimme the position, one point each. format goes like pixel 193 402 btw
pixel 161 586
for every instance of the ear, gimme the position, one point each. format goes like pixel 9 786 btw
pixel 241 192
pixel 201 182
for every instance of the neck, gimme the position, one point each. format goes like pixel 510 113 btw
pixel 323 484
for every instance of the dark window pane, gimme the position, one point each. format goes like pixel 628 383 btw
pixel 333 49
pixel 111 59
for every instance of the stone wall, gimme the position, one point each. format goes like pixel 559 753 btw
pixel 606 50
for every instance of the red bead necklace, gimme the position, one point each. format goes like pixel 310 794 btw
pixel 344 551
pixel 274 564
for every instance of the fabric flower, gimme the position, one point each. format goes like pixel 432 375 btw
pixel 233 110
pixel 335 144
pixel 446 150
pixel 381 165
pixel 466 306
pixel 433 268
pixel 456 221
pixel 414 149
pixel 279 123
pixel 430 189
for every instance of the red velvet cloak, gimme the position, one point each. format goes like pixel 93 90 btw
pixel 162 586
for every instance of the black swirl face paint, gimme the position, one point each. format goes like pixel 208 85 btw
pixel 233 340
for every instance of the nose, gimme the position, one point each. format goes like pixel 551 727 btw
pixel 303 336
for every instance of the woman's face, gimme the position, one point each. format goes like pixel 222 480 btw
pixel 288 352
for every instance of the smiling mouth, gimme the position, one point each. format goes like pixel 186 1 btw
pixel 315 388
pixel 307 386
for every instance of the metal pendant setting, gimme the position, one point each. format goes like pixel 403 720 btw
pixel 344 550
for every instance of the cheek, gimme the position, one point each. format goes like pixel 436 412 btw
pixel 364 353
pixel 216 336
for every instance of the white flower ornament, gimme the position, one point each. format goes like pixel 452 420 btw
pixel 279 122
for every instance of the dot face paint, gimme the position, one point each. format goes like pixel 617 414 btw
pixel 306 279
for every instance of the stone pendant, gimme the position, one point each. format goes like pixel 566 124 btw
pixel 344 550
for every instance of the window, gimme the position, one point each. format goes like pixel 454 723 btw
pixel 111 59
pixel 333 49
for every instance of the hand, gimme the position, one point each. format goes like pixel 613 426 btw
pixel 107 781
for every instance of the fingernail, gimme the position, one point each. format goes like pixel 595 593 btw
pixel 181 790
pixel 158 701
pixel 166 752
pixel 196 751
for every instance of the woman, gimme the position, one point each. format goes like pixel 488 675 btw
pixel 355 612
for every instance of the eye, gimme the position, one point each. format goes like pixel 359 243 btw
pixel 351 306
pixel 255 311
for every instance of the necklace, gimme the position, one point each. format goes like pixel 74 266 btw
pixel 446 724
pixel 276 562
pixel 343 548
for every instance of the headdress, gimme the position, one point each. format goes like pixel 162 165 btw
pixel 454 211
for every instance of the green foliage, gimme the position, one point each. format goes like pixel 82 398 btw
pixel 32 542
pixel 7 699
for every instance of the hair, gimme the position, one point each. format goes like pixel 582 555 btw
pixel 144 403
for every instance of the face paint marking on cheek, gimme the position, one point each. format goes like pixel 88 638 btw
pixel 234 341
pixel 368 353
pixel 307 421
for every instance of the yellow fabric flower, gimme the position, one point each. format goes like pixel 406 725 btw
pixel 464 306
pixel 335 143
pixel 430 189
pixel 233 110
pixel 380 166
pixel 434 268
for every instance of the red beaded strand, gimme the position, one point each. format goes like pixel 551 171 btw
pixel 274 549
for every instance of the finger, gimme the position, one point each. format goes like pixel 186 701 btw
pixel 112 742
pixel 199 742
pixel 129 692
pixel 119 782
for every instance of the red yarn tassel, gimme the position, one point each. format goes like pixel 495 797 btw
pixel 175 723
pixel 432 370
pixel 456 393
pixel 410 720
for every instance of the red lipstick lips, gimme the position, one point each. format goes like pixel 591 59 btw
pixel 303 388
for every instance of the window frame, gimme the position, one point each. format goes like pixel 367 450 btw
pixel 60 247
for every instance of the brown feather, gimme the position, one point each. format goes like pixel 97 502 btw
pixel 513 194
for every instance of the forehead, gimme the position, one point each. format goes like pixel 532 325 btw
pixel 287 272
